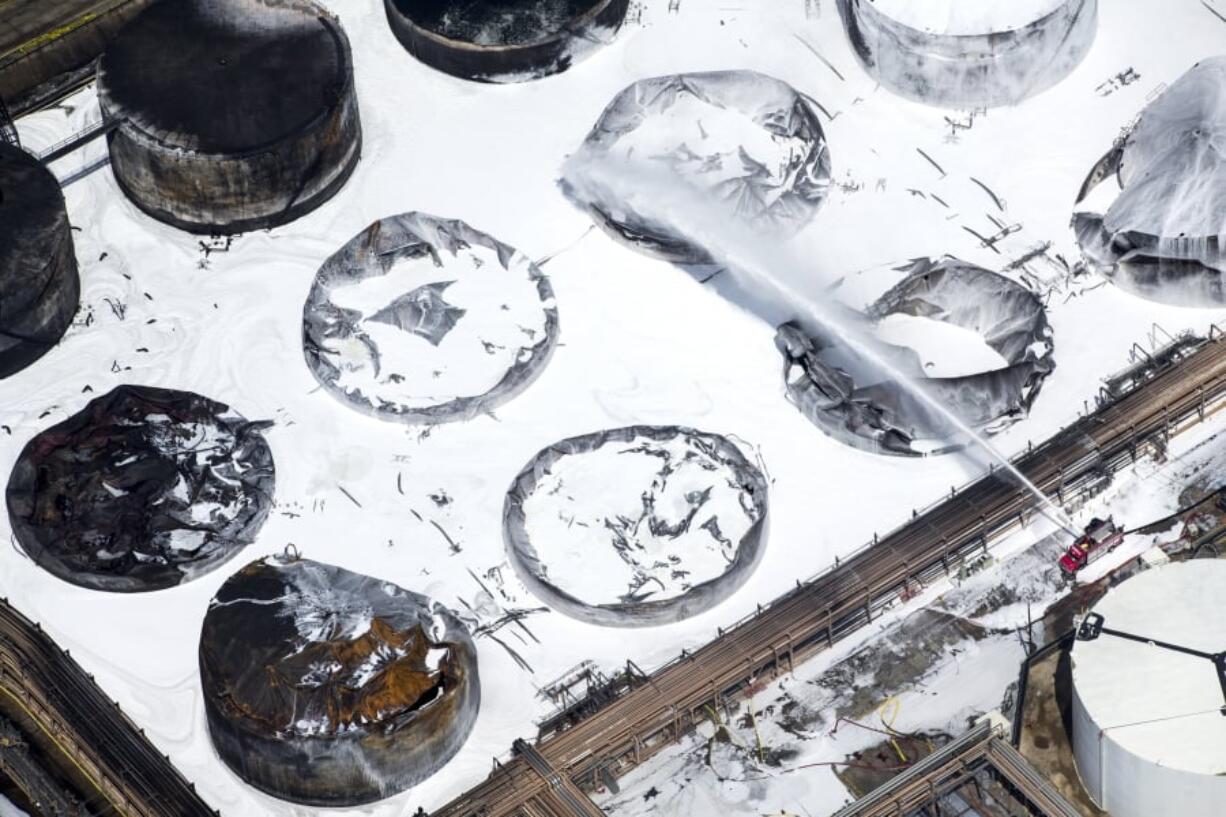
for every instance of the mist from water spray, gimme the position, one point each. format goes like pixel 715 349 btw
pixel 616 186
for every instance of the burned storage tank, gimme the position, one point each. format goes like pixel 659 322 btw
pixel 143 489
pixel 976 342
pixel 969 53
pixel 637 526
pixel 235 115
pixel 331 688
pixel 1162 235
pixel 39 285
pixel 504 40
pixel 422 319
pixel 748 143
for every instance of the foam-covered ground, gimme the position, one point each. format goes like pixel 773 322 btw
pixel 640 341
pixel 933 666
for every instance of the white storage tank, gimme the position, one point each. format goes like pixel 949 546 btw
pixel 1149 705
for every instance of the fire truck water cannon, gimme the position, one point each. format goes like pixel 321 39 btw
pixel 1101 537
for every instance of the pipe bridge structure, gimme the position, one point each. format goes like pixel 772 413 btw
pixel 60 708
pixel 1073 465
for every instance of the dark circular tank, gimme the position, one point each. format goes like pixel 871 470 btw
pixel 142 489
pixel 331 688
pixel 843 391
pixel 39 286
pixel 238 114
pixel 504 40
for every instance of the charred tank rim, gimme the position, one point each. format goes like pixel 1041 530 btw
pixel 344 87
pixel 750 548
pixel 132 396
pixel 374 760
pixel 517 378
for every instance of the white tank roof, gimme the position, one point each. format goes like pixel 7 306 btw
pixel 1149 729
pixel 966 16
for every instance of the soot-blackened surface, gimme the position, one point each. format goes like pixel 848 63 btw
pixel 39 285
pixel 222 76
pixel 851 399
pixel 1164 235
pixel 329 687
pixel 636 526
pixel 143 489
pixel 494 22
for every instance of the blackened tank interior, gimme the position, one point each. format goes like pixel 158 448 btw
pixel 494 22
pixel 143 489
pixel 39 284
pixel 249 119
pixel 331 688
pixel 504 41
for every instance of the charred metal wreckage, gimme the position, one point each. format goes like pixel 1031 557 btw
pixel 330 688
pixel 1162 235
pixel 851 399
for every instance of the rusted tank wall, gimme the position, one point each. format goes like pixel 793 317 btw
pixel 341 714
pixel 255 180
pixel 41 41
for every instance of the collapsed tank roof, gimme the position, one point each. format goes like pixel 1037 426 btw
pixel 331 688
pixel 39 286
pixel 143 489
pixel 231 75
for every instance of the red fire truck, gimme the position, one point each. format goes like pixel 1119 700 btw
pixel 1101 536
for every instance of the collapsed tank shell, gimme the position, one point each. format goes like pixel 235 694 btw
pixel 39 284
pixel 248 120
pixel 636 526
pixel 1164 236
pixel 421 319
pixel 331 688
pixel 143 489
pixel 853 400
pixel 504 40
pixel 967 53
pixel 745 140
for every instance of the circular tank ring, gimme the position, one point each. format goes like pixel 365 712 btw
pixel 509 62
pixel 699 598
